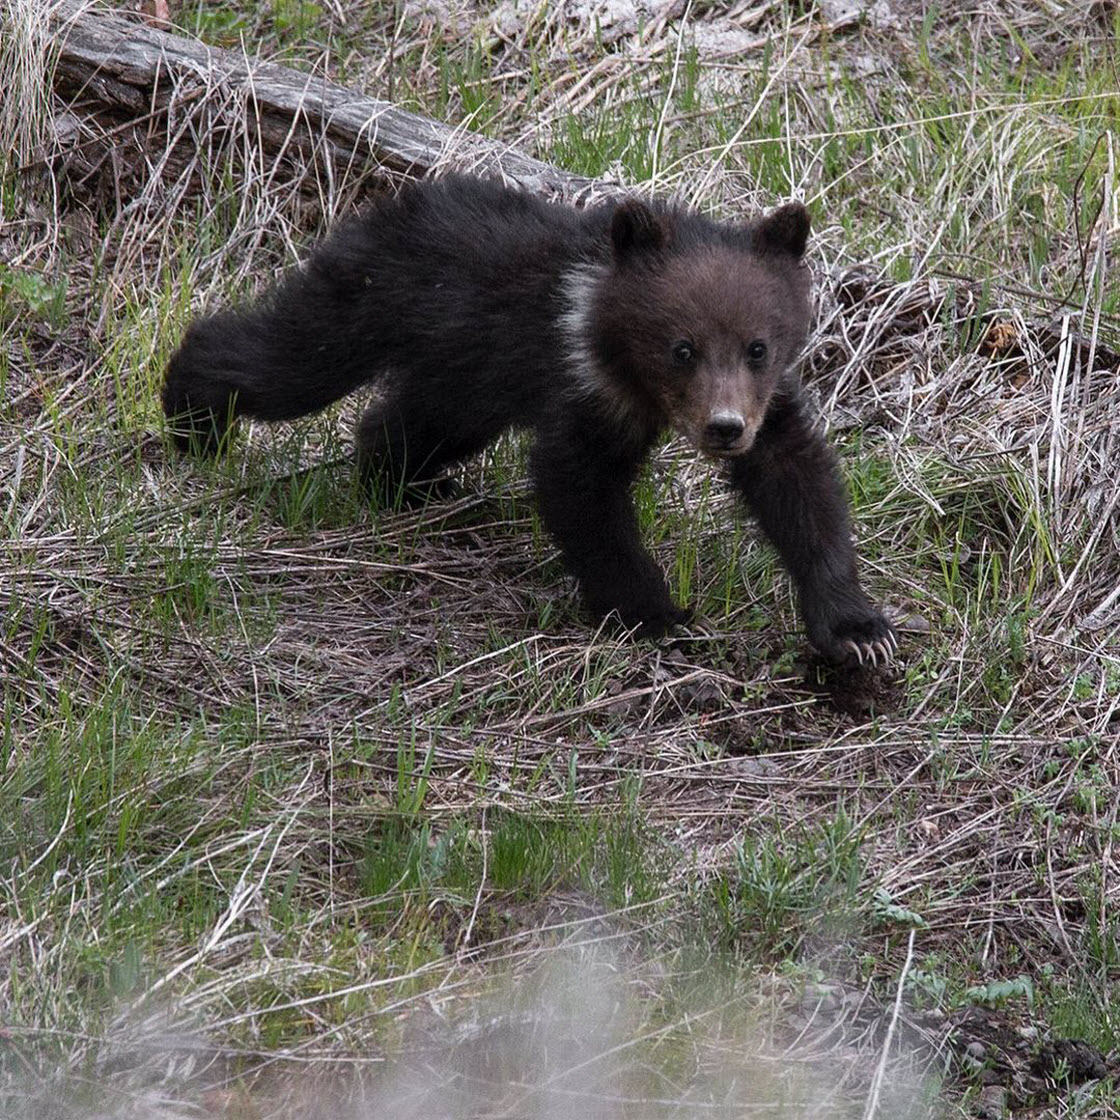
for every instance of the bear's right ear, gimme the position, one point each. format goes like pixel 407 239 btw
pixel 635 228
pixel 786 230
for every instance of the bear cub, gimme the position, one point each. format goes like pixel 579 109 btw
pixel 475 308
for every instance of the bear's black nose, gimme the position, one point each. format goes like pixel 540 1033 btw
pixel 725 427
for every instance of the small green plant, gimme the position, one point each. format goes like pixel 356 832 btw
pixel 43 298
pixel 412 782
pixel 889 912
pixel 998 992
pixel 927 986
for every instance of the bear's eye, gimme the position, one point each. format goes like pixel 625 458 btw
pixel 684 353
pixel 756 351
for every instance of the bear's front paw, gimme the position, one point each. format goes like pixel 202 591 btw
pixel 850 630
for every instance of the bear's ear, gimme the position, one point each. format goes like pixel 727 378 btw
pixel 635 228
pixel 786 230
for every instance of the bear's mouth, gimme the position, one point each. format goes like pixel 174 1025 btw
pixel 719 450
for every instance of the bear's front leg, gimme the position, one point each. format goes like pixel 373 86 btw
pixel 790 482
pixel 582 480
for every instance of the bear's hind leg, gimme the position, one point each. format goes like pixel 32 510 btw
pixel 404 449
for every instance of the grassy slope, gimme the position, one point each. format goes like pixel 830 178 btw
pixel 285 777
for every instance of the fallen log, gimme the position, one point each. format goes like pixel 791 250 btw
pixel 124 70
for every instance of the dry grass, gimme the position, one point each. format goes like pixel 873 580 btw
pixel 230 691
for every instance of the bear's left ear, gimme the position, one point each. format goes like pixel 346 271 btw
pixel 635 228
pixel 786 230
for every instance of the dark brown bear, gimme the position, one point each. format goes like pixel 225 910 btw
pixel 476 308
